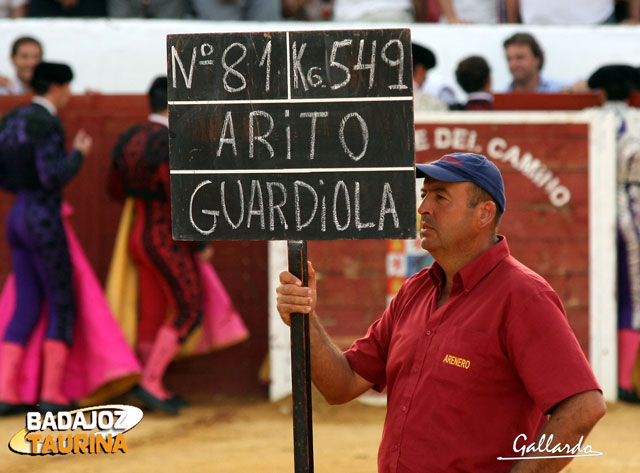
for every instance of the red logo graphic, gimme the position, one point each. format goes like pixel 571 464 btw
pixel 451 159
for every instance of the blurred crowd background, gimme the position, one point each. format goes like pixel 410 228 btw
pixel 421 11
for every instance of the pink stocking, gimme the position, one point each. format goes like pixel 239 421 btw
pixel 628 344
pixel 10 359
pixel 54 362
pixel 165 347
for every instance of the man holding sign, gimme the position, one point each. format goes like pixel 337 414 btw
pixel 481 367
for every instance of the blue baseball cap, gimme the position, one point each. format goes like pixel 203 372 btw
pixel 463 167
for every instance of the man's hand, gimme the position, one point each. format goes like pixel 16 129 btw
pixel 83 142
pixel 293 297
pixel 331 372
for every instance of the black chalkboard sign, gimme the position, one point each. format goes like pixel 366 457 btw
pixel 291 135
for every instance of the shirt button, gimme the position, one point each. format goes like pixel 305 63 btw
pixel 404 408
pixel 414 370
pixel 395 447
pixel 428 332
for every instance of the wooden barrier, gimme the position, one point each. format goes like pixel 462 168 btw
pixel 564 101
pixel 352 273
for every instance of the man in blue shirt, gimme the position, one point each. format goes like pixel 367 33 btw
pixel 525 59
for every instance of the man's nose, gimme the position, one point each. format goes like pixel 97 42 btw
pixel 425 205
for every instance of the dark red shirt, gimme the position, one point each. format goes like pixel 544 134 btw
pixel 464 380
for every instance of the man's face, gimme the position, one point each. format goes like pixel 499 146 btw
pixel 445 217
pixel 27 57
pixel 419 74
pixel 523 65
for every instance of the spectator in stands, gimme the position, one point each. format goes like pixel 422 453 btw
pixel 238 10
pixel 401 11
pixel 438 87
pixel 565 12
pixel 526 59
pixel 471 11
pixel 26 54
pixel 148 8
pixel 67 8
pixel 627 11
pixel 13 8
pixel 474 76
pixel 307 10
pixel 423 60
pixel 428 12
pixel 616 83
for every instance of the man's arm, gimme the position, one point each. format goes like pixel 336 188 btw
pixel 449 12
pixel 633 14
pixel 513 11
pixel 419 7
pixel 56 168
pixel 330 370
pixel 570 419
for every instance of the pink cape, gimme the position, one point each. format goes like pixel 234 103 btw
pixel 221 324
pixel 101 364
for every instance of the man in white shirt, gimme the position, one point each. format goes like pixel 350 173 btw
pixel 375 10
pixel 470 11
pixel 26 54
pixel 13 8
pixel 565 12
pixel 423 60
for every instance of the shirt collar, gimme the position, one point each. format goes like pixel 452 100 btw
pixel 40 100
pixel 16 87
pixel 480 96
pixel 160 119
pixel 616 105
pixel 477 269
pixel 544 85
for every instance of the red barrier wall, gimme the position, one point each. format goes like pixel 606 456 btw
pixel 352 278
pixel 564 101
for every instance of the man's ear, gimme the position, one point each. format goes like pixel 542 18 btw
pixel 54 87
pixel 539 64
pixel 485 213
pixel 602 96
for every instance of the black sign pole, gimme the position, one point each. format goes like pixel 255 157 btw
pixel 301 367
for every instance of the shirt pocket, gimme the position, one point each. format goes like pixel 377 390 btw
pixel 462 359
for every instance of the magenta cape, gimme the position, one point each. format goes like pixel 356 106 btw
pixel 221 325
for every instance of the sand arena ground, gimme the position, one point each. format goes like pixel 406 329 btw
pixel 252 435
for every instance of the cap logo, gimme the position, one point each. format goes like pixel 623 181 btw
pixel 451 159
